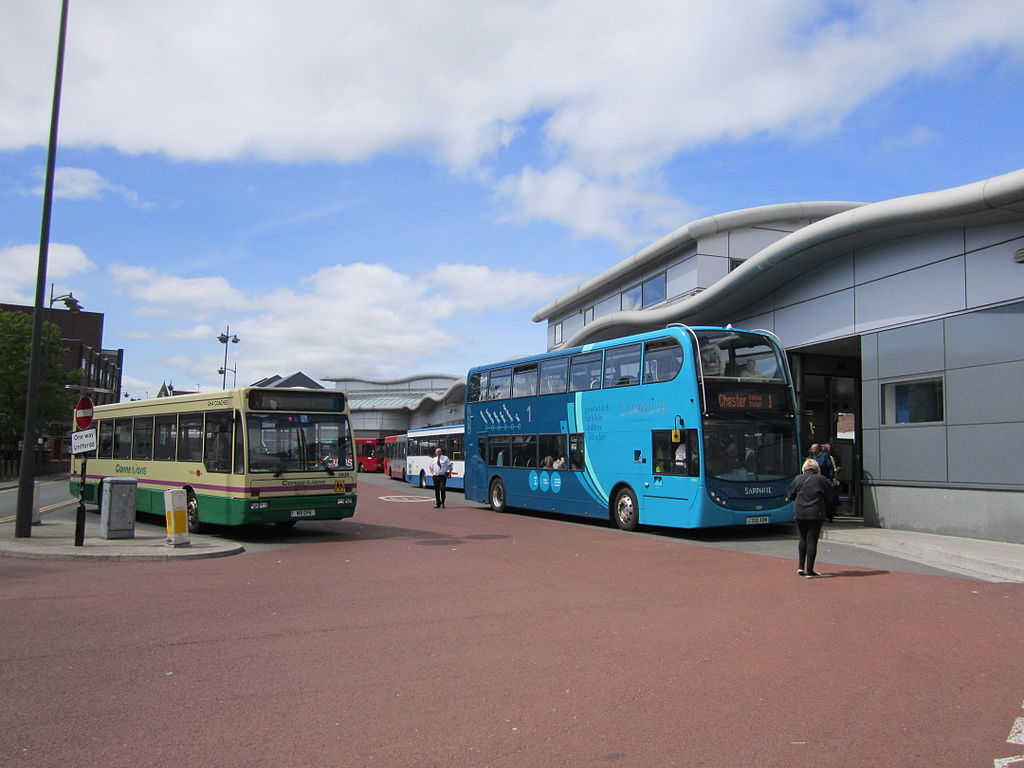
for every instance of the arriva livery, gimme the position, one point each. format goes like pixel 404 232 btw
pixel 685 427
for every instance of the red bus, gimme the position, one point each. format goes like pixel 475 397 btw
pixel 394 456
pixel 370 454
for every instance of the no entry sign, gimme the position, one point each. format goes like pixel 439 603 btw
pixel 83 413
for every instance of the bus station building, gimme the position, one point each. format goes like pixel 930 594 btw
pixel 904 324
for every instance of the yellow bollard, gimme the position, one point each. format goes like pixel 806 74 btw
pixel 177 520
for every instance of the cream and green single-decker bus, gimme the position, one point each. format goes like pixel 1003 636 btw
pixel 246 455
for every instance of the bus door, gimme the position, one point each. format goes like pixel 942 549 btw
pixel 675 477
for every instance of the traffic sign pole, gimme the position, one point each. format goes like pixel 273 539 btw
pixel 83 420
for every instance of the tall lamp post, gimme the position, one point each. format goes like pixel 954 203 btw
pixel 224 338
pixel 26 474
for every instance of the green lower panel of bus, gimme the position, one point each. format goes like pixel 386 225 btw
pixel 222 510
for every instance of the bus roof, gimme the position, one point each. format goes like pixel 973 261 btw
pixel 209 400
pixel 675 330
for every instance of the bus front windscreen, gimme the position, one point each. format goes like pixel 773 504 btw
pixel 749 451
pixel 303 442
pixel 739 355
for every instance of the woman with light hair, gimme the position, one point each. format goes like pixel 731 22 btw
pixel 812 495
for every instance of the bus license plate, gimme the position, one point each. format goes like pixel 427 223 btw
pixel 758 519
pixel 303 512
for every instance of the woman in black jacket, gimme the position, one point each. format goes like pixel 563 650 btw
pixel 813 496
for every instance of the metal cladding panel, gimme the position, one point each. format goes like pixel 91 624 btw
pixel 911 350
pixel 919 294
pixel 983 338
pixel 982 453
pixel 993 275
pixel 869 356
pixel 985 395
pixel 834 275
pixel 913 453
pixel 896 256
pixel 828 317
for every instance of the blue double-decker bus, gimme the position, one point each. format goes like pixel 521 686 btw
pixel 686 427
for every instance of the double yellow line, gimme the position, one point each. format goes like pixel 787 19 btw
pixel 42 510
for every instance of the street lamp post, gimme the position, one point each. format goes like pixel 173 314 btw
pixel 26 474
pixel 224 338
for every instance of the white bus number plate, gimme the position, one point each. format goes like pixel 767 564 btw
pixel 758 519
pixel 303 512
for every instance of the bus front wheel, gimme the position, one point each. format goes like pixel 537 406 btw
pixel 423 479
pixel 192 514
pixel 625 510
pixel 497 495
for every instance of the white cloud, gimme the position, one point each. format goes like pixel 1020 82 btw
pixel 169 295
pixel 355 318
pixel 624 211
pixel 83 184
pixel 916 137
pixel 19 266
pixel 618 89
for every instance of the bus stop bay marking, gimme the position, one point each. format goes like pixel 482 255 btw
pixel 406 499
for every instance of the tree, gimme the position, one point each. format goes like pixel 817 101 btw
pixel 55 402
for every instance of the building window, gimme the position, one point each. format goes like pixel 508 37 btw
pixel 653 290
pixel 556 335
pixel 631 298
pixel 912 402
pixel 588 315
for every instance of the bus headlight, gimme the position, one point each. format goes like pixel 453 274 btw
pixel 260 505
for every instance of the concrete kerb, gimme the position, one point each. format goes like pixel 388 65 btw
pixel 53 539
pixel 977 558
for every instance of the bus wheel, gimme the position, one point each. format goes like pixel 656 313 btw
pixel 360 468
pixel 192 514
pixel 625 510
pixel 423 479
pixel 497 495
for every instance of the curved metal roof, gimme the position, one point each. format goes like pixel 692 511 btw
pixel 688 235
pixel 995 200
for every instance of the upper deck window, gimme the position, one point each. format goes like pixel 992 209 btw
pixel 622 366
pixel 662 360
pixel 739 355
pixel 585 372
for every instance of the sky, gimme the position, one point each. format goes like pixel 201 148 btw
pixel 392 188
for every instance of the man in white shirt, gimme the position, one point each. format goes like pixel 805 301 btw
pixel 440 469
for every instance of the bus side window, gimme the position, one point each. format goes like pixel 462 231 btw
pixel 122 438
pixel 524 381
pixel 142 437
pixel 164 438
pixel 553 376
pixel 190 437
pixel 577 453
pixel 497 451
pixel 662 360
pixel 501 384
pixel 217 442
pixel 675 458
pixel 622 366
pixel 477 389
pixel 106 442
pixel 524 450
pixel 239 425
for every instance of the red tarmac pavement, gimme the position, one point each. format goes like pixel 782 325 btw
pixel 419 637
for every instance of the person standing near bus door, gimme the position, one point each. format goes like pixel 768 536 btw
pixel 813 496
pixel 440 469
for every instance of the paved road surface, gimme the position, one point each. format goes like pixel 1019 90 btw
pixel 419 637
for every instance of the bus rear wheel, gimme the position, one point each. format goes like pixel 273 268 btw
pixel 192 514
pixel 625 511
pixel 496 495
pixel 423 479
